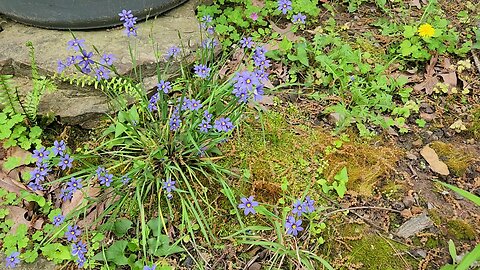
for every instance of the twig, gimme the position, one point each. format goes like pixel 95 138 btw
pixel 358 208
pixel 475 59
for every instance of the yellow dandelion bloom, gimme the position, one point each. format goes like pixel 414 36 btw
pixel 426 30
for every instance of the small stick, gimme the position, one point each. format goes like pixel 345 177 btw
pixel 475 59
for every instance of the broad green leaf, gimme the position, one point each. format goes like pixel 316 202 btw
pixel 119 129
pixel 409 31
pixel 121 227
pixel 452 250
pixel 156 225
pixel 116 253
pixel 12 163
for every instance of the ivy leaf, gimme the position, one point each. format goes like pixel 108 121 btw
pixel 35 132
pixel 29 256
pixel 409 31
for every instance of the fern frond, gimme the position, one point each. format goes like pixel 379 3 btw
pixel 9 98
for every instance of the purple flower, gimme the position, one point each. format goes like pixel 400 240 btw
pixel 35 185
pixel 130 30
pixel 86 70
pixel 211 30
pixel 172 52
pixel 259 52
pixel 299 208
pixel 85 59
pixel 66 194
pixel 65 161
pixel 245 80
pixel 72 233
pixel 41 154
pixel 261 74
pixel 75 44
pixel 164 86
pixel 293 226
pixel 284 6
pixel 207 115
pixel 175 122
pixel 247 42
pixel 205 126
pixel 58 220
pixel 101 171
pixel 254 16
pixel 185 104
pixel 223 124
pixel 207 19
pixel 309 204
pixel 125 14
pixel 70 60
pixel 130 22
pixel 202 71
pixel 248 205
pixel 262 63
pixel 36 175
pixel 195 105
pixel 102 73
pixel 74 184
pixel 12 261
pixel 125 179
pixel 106 179
pixel 43 169
pixel 107 59
pixel 152 103
pixel 209 43
pixel 58 148
pixel 169 185
pixel 146 267
pixel 61 66
pixel 79 249
pixel 258 92
pixel 241 94
pixel 299 18
pixel 81 260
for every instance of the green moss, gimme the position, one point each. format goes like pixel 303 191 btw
pixel 456 158
pixel 475 126
pixel 435 217
pixel 433 242
pixel 460 230
pixel 376 252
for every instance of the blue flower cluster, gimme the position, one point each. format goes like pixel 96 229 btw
pixel 248 84
pixel 85 62
pixel 43 163
pixel 129 22
pixel 79 248
pixel 104 177
pixel 293 225
pixel 169 186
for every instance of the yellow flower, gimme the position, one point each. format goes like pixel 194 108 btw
pixel 426 30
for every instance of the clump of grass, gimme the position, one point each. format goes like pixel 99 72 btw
pixel 457 159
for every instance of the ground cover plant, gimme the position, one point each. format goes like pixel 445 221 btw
pixel 303 135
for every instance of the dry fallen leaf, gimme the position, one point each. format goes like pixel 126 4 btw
pixel 416 3
pixel 10 184
pixel 258 3
pixel 287 31
pixel 78 199
pixel 450 78
pixel 435 163
pixel 17 215
pixel 430 78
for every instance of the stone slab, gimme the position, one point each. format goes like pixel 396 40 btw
pixel 77 105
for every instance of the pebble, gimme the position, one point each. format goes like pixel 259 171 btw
pixel 408 201
pixel 411 156
pixel 417 143
pixel 255 266
pixel 398 206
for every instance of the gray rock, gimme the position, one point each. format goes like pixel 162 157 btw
pixel 414 226
pixel 40 264
pixel 85 105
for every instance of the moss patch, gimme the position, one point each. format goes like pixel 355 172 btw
pixel 457 158
pixel 460 230
pixel 275 153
